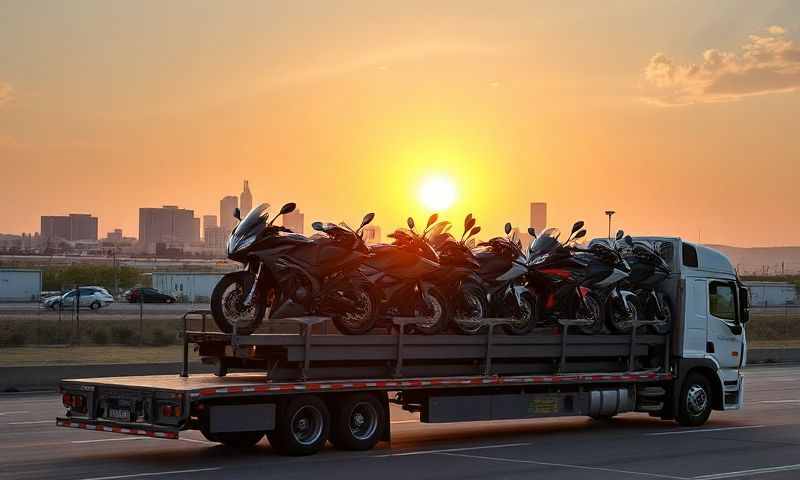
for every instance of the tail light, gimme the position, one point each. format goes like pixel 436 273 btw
pixel 171 411
pixel 74 402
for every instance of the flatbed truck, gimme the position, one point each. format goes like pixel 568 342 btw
pixel 303 390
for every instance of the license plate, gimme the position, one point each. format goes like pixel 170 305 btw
pixel 119 414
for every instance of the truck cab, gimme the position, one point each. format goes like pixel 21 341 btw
pixel 710 307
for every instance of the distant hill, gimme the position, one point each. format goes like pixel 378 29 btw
pixel 763 260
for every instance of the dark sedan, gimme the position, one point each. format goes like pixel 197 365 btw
pixel 148 295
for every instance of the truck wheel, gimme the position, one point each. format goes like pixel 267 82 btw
pixel 358 422
pixel 237 440
pixel 302 426
pixel 694 404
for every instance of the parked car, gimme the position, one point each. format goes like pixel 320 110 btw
pixel 148 295
pixel 92 297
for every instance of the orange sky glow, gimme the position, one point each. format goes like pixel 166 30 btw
pixel 683 124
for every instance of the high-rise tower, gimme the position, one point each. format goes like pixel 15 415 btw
pixel 246 199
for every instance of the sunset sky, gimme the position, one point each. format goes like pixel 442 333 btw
pixel 682 116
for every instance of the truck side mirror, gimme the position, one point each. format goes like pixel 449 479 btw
pixel 744 305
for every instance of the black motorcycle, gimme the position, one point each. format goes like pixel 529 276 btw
pixel 557 276
pixel 503 267
pixel 293 275
pixel 648 271
pixel 458 276
pixel 402 280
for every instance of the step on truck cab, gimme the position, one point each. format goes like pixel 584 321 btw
pixel 305 389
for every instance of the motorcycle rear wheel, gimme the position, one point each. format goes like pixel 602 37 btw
pixel 227 304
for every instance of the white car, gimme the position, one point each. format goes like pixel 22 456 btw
pixel 92 297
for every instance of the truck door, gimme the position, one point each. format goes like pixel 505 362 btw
pixel 724 329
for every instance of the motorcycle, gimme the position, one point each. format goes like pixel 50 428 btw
pixel 610 274
pixel 292 275
pixel 401 277
pixel 648 270
pixel 503 267
pixel 458 277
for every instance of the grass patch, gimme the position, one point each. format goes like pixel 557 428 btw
pixel 88 354
pixel 28 332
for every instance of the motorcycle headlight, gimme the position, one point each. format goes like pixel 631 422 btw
pixel 236 244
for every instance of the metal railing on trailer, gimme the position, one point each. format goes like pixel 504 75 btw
pixel 306 326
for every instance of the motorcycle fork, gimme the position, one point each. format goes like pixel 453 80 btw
pixel 659 307
pixel 251 295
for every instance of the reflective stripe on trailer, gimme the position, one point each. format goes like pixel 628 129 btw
pixel 435 382
pixel 125 430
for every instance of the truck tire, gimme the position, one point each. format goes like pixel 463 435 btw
pixel 695 402
pixel 302 426
pixel 358 422
pixel 237 440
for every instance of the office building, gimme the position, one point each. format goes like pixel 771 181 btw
pixel 538 216
pixel 168 225
pixel 209 221
pixel 246 199
pixel 226 219
pixel 372 234
pixel 115 236
pixel 72 227
pixel 294 221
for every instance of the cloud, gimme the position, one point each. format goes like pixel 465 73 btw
pixel 765 65
pixel 5 93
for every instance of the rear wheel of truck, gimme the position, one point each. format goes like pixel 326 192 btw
pixel 302 426
pixel 358 422
pixel 695 402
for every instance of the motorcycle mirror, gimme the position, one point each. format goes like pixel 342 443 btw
pixel 367 219
pixel 237 214
pixel 508 228
pixel 432 219
pixel 410 223
pixel 469 222
pixel 620 234
pixel 532 232
pixel 580 234
pixel 629 240
pixel 474 231
pixel 288 208
pixel 317 226
pixel 577 226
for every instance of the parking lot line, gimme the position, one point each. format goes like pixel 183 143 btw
pixel 567 465
pixel 155 474
pixel 748 473
pixel 448 450
pixel 704 430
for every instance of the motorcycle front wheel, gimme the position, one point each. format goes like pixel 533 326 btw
pixel 523 320
pixel 361 315
pixel 620 321
pixel 592 311
pixel 470 309
pixel 433 307
pixel 227 304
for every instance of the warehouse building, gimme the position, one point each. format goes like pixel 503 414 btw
pixel 18 285
pixel 772 294
pixel 189 287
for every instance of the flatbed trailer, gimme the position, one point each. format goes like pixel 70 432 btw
pixel 304 389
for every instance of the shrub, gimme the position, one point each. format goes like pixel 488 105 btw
pixel 159 338
pixel 123 335
pixel 100 337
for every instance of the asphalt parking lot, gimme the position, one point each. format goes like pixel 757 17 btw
pixel 760 441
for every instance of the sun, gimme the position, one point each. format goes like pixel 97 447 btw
pixel 437 193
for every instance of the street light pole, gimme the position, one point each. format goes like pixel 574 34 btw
pixel 610 213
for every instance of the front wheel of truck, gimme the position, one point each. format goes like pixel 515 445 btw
pixel 695 402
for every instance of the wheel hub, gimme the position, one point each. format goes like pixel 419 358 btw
pixel 696 399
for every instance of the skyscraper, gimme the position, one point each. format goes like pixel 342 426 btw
pixel 226 220
pixel 246 199
pixel 538 216
pixel 168 224
pixel 209 221
pixel 294 221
